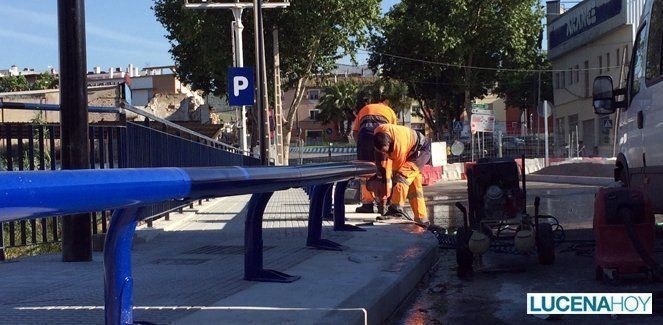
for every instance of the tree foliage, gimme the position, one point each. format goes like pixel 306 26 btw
pixel 13 83
pixel 313 36
pixel 337 105
pixel 343 99
pixel 46 80
pixel 521 88
pixel 447 38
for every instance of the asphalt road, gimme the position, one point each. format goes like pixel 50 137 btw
pixel 496 294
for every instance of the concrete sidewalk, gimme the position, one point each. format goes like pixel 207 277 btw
pixel 189 271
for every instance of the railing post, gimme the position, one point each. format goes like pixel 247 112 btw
pixel 2 242
pixel 339 209
pixel 118 284
pixel 253 259
pixel 316 211
pixel 327 205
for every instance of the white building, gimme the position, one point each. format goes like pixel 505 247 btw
pixel 593 38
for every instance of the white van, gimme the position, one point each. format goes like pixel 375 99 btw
pixel 640 123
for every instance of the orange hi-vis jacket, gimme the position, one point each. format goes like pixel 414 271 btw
pixel 379 110
pixel 404 140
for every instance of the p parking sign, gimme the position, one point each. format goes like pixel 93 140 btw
pixel 241 86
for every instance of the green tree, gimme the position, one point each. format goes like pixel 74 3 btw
pixel 46 80
pixel 448 38
pixel 313 36
pixel 396 92
pixel 521 88
pixel 13 83
pixel 337 106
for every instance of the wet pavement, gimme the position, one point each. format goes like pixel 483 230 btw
pixel 497 293
pixel 572 205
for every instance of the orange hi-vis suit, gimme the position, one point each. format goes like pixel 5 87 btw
pixel 408 154
pixel 370 117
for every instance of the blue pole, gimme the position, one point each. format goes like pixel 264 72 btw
pixel 118 281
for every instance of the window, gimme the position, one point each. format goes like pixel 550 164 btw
pixel 618 58
pixel 573 124
pixel 587 79
pixel 577 73
pixel 600 64
pixel 607 62
pixel 313 114
pixel 655 41
pixel 637 70
pixel 560 130
pixel 314 94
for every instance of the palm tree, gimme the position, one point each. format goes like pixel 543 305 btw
pixel 337 106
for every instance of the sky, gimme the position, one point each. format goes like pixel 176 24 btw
pixel 119 33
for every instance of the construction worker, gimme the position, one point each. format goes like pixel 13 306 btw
pixel 407 152
pixel 368 118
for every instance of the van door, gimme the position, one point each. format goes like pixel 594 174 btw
pixel 632 144
pixel 651 99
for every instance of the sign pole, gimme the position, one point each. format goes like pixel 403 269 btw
pixel 238 28
pixel 545 128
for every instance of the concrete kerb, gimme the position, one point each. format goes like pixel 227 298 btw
pixel 576 180
pixel 386 303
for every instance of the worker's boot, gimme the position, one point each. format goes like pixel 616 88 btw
pixel 394 212
pixel 381 209
pixel 365 208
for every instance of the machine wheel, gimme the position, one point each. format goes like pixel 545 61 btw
pixel 464 256
pixel 598 271
pixel 612 277
pixel 545 245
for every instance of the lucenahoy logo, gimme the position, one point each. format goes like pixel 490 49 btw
pixel 589 303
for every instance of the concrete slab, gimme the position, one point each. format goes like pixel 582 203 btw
pixel 364 284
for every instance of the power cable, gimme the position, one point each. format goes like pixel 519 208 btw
pixel 453 65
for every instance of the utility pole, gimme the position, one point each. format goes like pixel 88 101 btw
pixel 262 99
pixel 76 229
pixel 278 103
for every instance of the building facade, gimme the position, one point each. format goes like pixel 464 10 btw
pixel 591 39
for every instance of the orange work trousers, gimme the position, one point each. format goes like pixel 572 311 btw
pixel 409 186
pixel 367 197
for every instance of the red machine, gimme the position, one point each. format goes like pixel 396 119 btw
pixel 624 227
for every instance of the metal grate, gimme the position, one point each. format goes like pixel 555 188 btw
pixel 221 250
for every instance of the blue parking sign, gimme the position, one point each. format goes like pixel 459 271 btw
pixel 241 86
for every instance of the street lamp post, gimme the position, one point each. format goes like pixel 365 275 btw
pixel 237 9
pixel 76 229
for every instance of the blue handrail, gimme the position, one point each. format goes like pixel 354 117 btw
pixel 33 194
pixel 53 107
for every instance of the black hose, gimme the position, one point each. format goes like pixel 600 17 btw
pixel 627 215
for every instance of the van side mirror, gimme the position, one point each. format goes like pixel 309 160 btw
pixel 604 96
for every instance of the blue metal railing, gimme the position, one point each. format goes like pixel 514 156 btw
pixel 112 145
pixel 25 195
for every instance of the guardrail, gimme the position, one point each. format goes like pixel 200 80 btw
pixel 113 144
pixel 34 194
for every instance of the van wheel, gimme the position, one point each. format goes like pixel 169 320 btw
pixel 622 175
